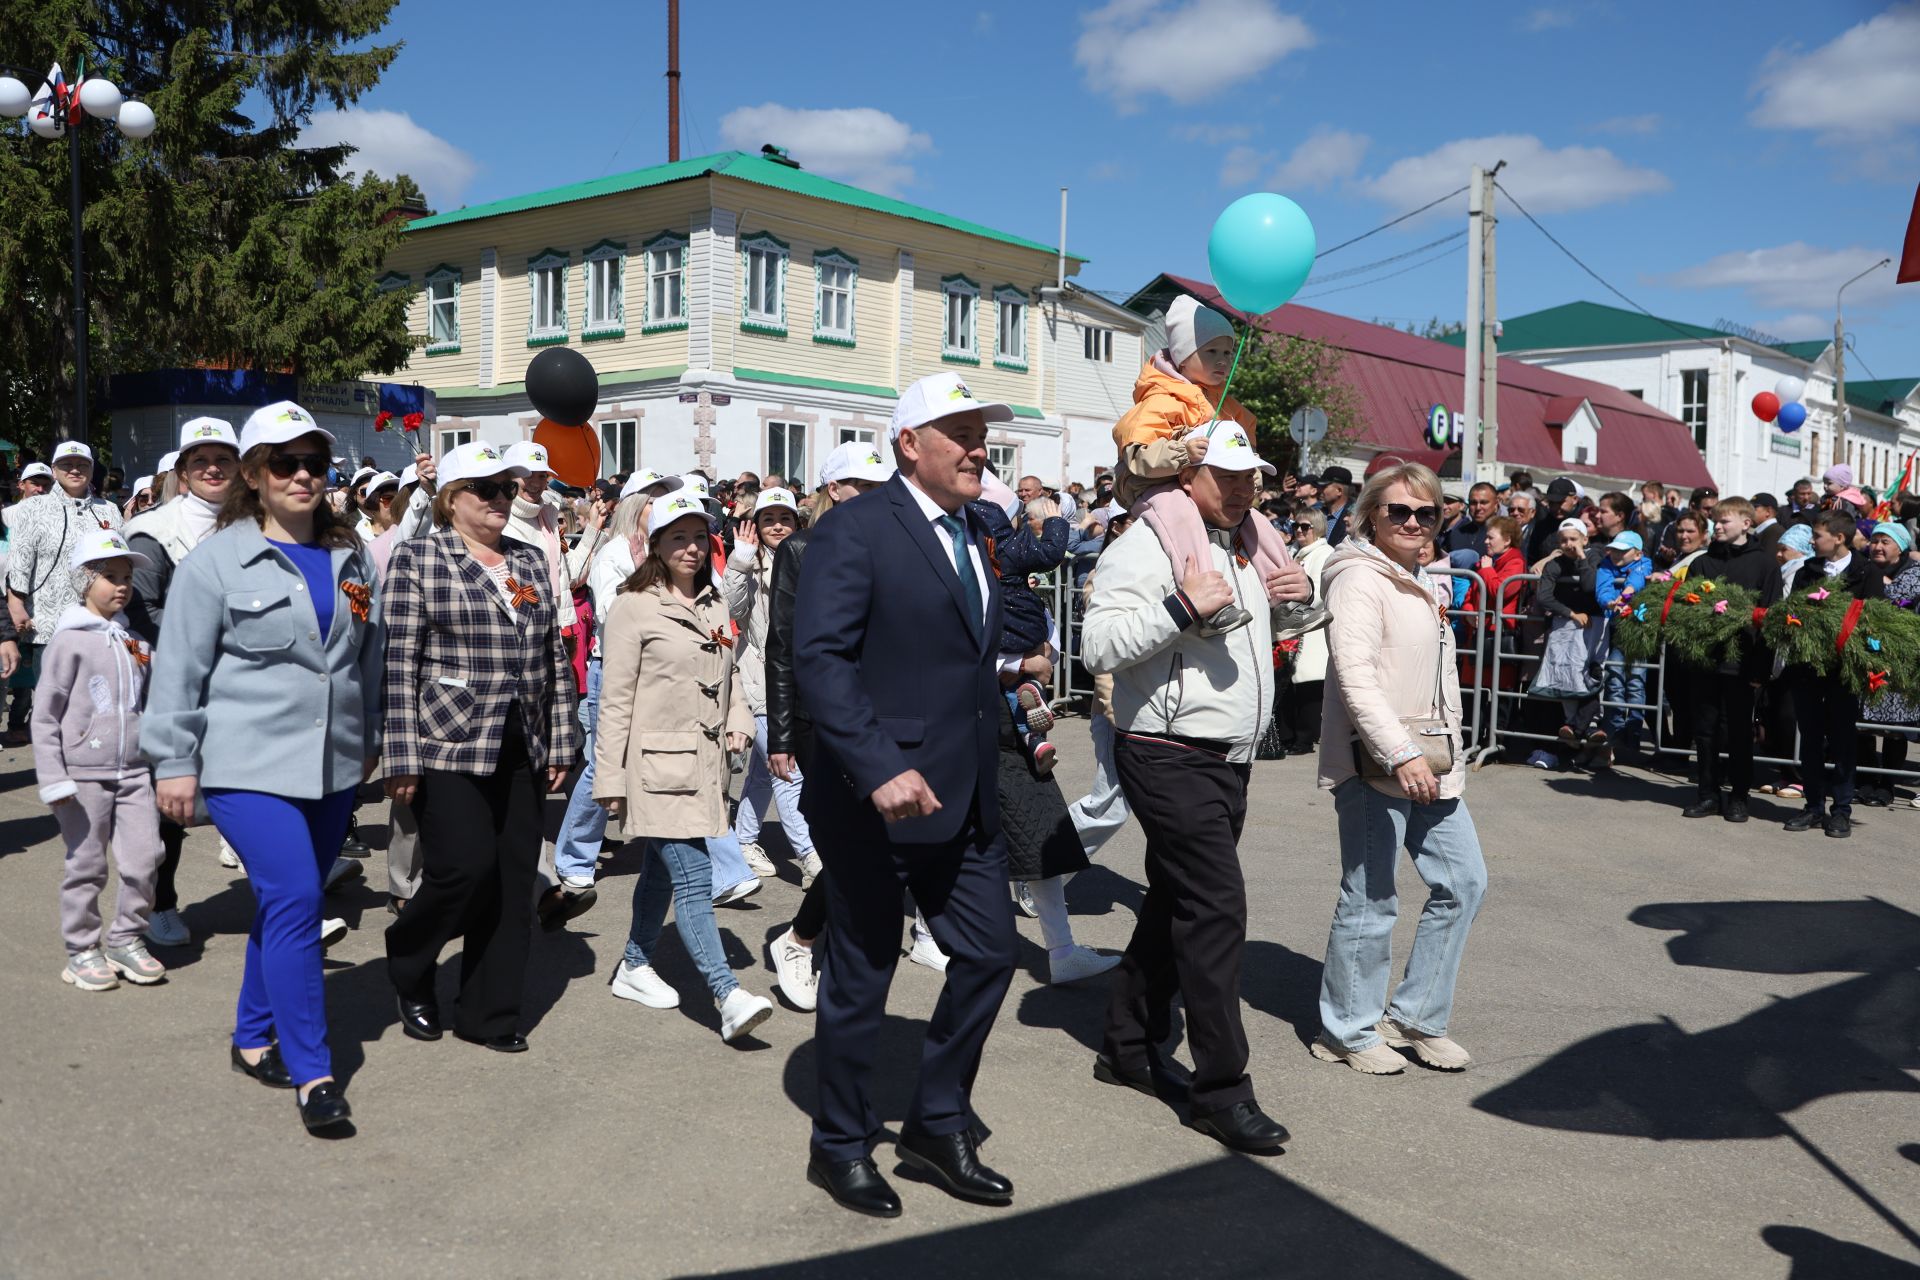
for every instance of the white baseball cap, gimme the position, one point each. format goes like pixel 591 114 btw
pixel 1230 450
pixel 102 544
pixel 71 449
pixel 694 483
pixel 168 462
pixel 476 461
pixel 676 506
pixel 143 482
pixel 203 431
pixel 529 455
pixel 646 480
pixel 278 423
pixel 409 474
pixel 855 461
pixel 381 479
pixel 362 474
pixel 36 471
pixel 937 396
pixel 772 498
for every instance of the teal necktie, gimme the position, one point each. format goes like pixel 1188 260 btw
pixel 963 565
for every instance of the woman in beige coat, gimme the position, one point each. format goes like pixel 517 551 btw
pixel 1393 695
pixel 669 718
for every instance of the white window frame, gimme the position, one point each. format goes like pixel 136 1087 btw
pixel 453 438
pixel 824 261
pixel 754 318
pixel 614 323
pixel 959 298
pixel 619 446
pixel 1096 343
pixel 1004 458
pixel 781 463
pixel 856 435
pixel 1697 429
pixel 550 266
pixel 439 277
pixel 1009 303
pixel 658 320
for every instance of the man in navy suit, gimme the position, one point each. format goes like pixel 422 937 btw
pixel 896 618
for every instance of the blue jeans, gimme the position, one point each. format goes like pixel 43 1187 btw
pixel 1446 852
pixel 729 863
pixel 1103 810
pixel 1623 682
pixel 679 871
pixel 762 785
pixel 577 850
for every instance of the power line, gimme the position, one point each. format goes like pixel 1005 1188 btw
pixel 1321 293
pixel 1383 226
pixel 1354 271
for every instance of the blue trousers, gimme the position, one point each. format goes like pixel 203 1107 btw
pixel 679 871
pixel 577 851
pixel 286 847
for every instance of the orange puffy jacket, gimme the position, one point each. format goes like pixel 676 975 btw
pixel 1166 406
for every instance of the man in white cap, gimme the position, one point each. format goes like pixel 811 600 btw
pixel 1188 708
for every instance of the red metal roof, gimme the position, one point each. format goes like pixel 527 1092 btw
pixel 1398 377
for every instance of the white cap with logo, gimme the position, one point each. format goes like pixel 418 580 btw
pixel 410 474
pixel 771 499
pixel 937 396
pixel 279 423
pixel 640 480
pixel 168 462
pixel 1230 450
pixel 196 431
pixel 476 461
pixel 380 480
pixel 141 484
pixel 101 544
pixel 71 449
pixel 694 483
pixel 529 455
pixel 364 473
pixel 676 506
pixel 36 471
pixel 854 460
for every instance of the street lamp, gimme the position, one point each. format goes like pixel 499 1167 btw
pixel 1840 366
pixel 56 108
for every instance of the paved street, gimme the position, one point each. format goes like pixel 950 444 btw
pixel 1694 1042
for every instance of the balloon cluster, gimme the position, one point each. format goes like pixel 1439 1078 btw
pixel 1782 404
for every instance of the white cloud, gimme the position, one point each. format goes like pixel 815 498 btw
pixel 861 145
pixel 1546 19
pixel 1186 50
pixel 1797 275
pixel 1648 123
pixel 1545 179
pixel 1213 134
pixel 1802 325
pixel 1861 83
pixel 1242 165
pixel 1327 156
pixel 389 143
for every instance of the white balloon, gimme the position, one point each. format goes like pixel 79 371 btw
pixel 44 121
pixel 15 97
pixel 136 119
pixel 1789 389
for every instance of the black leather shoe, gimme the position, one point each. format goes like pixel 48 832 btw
pixel 1107 1072
pixel 1243 1127
pixel 269 1071
pixel 420 1018
pixel 354 846
pixel 1840 825
pixel 512 1042
pixel 1805 820
pixel 1704 807
pixel 325 1107
pixel 953 1161
pixel 1874 798
pixel 1736 810
pixel 559 905
pixel 855 1185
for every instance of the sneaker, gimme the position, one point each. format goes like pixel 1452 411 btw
pixel 89 971
pixel 810 867
pixel 1437 1052
pixel 332 931
pixel 132 962
pixel 1736 810
pixel 1044 758
pixel 342 870
pixel 1033 704
pixel 1839 825
pixel 228 858
pixel 793 971
pixel 927 952
pixel 757 860
pixel 1374 1060
pixel 640 984
pixel 167 929
pixel 1076 964
pixel 1542 760
pixel 741 1012
pixel 1230 618
pixel 1023 900
pixel 1296 618
pixel 739 892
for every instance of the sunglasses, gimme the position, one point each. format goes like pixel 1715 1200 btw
pixel 384 497
pixel 1300 526
pixel 488 490
pixel 1398 513
pixel 288 465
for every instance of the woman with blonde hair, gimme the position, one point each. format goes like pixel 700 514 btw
pixel 1391 754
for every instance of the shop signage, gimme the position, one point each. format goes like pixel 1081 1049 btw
pixel 1445 428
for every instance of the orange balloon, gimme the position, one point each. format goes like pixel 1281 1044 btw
pixel 573 451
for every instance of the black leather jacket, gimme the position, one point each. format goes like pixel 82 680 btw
pixel 789 729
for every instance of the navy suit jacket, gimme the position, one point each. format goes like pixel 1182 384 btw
pixel 893 671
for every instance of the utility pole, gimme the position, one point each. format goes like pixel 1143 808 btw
pixel 1490 342
pixel 1840 366
pixel 1476 248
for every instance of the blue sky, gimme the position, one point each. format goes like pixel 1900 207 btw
pixel 1707 162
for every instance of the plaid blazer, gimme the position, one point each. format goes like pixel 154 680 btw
pixel 459 659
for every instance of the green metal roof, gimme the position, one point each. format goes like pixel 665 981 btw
pixel 1809 351
pixel 1879 395
pixel 728 164
pixel 1593 324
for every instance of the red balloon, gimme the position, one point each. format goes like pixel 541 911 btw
pixel 1766 406
pixel 574 452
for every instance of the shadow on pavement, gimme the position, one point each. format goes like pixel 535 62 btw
pixel 1817 1256
pixel 1283 984
pixel 17 835
pixel 1269 1226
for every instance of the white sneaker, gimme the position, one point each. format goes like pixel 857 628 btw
pixel 1437 1052
pixel 643 986
pixel 332 931
pixel 757 860
pixel 343 869
pixel 1374 1060
pixel 810 867
pixel 793 971
pixel 1077 964
pixel 228 858
pixel 745 889
pixel 927 952
pixel 741 1012
pixel 167 929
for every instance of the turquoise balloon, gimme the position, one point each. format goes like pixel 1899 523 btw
pixel 1260 250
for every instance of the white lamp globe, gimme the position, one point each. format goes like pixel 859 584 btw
pixel 15 97
pixel 44 121
pixel 100 98
pixel 136 119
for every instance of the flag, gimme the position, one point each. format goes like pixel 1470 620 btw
pixel 1910 253
pixel 1886 508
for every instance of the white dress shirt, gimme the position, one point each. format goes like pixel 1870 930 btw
pixel 934 514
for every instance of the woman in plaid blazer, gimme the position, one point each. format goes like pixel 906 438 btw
pixel 479 723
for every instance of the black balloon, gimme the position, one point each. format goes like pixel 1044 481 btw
pixel 563 386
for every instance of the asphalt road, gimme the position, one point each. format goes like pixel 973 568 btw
pixel 1694 1042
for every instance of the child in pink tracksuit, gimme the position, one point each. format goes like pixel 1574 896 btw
pixel 86 751
pixel 1175 401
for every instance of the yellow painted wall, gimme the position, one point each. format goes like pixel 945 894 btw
pixel 457 246
pixel 958 254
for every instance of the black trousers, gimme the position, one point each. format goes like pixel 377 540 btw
pixel 961 888
pixel 1300 703
pixel 479 857
pixel 1721 713
pixel 1192 932
pixel 1826 713
pixel 173 837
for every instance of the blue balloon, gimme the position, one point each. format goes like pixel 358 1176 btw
pixel 1792 415
pixel 1260 250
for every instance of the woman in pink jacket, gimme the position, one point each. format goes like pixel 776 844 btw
pixel 1390 751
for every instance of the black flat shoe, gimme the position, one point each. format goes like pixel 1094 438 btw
pixel 1243 1127
pixel 559 905
pixel 1704 807
pixel 269 1071
pixel 1805 820
pixel 325 1107
pixel 953 1161
pixel 512 1042
pixel 855 1185
pixel 420 1018
pixel 1106 1072
pixel 1839 826
pixel 1736 810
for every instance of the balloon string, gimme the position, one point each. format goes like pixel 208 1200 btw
pixel 1231 370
